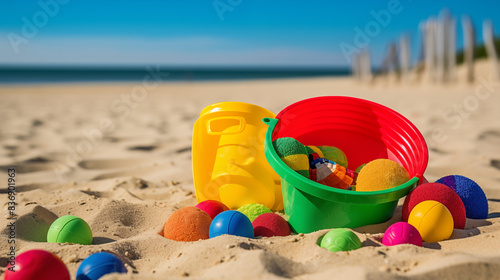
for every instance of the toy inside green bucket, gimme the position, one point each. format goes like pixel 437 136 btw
pixel 365 131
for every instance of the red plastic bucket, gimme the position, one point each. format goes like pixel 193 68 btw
pixel 365 131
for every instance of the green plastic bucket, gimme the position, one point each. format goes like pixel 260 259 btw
pixel 365 131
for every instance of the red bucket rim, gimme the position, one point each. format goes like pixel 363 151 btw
pixel 419 137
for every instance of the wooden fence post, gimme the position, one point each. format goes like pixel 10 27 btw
pixel 430 48
pixel 489 42
pixel 404 57
pixel 469 43
pixel 451 65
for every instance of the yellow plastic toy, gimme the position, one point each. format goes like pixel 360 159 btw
pixel 229 164
pixel 433 220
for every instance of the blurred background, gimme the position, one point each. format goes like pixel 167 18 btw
pixel 64 40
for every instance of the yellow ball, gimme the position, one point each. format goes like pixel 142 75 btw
pixel 433 220
pixel 381 174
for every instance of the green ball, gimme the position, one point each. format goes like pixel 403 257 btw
pixel 253 210
pixel 293 154
pixel 340 239
pixel 334 154
pixel 288 146
pixel 70 229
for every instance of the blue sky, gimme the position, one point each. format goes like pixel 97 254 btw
pixel 211 33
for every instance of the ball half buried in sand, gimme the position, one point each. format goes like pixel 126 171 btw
pixel 99 264
pixel 233 223
pixel 37 264
pixel 432 220
pixel 270 224
pixel 212 207
pixel 402 233
pixel 340 239
pixel 381 174
pixel 70 229
pixel 187 224
pixel 253 210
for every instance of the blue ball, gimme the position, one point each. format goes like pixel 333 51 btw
pixel 471 194
pixel 233 223
pixel 99 264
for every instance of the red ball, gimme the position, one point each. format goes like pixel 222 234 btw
pixel 270 224
pixel 440 193
pixel 37 264
pixel 212 207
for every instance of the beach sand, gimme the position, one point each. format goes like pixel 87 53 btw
pixel 125 167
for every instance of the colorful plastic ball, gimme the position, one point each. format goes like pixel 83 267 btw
pixel 99 264
pixel 401 233
pixel 439 193
pixel 70 229
pixel 432 220
pixel 212 207
pixel 381 174
pixel 37 264
pixel 293 154
pixel 471 194
pixel 340 239
pixel 334 154
pixel 187 224
pixel 270 224
pixel 253 210
pixel 233 223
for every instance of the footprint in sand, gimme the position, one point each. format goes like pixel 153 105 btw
pixel 495 163
pixel 38 160
pixel 436 150
pixel 143 148
pixel 490 135
pixel 36 122
pixel 183 150
pixel 111 139
pixel 10 147
pixel 140 169
pixel 111 163
pixel 36 164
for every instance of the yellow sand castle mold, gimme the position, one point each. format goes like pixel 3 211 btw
pixel 229 164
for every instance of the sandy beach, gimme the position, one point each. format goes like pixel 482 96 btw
pixel 118 155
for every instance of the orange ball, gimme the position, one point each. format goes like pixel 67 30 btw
pixel 187 224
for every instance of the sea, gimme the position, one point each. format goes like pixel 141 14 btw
pixel 22 75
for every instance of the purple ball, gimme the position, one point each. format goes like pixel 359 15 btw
pixel 402 233
pixel 471 194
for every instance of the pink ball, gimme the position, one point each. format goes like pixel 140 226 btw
pixel 37 264
pixel 402 233
pixel 212 207
pixel 270 224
